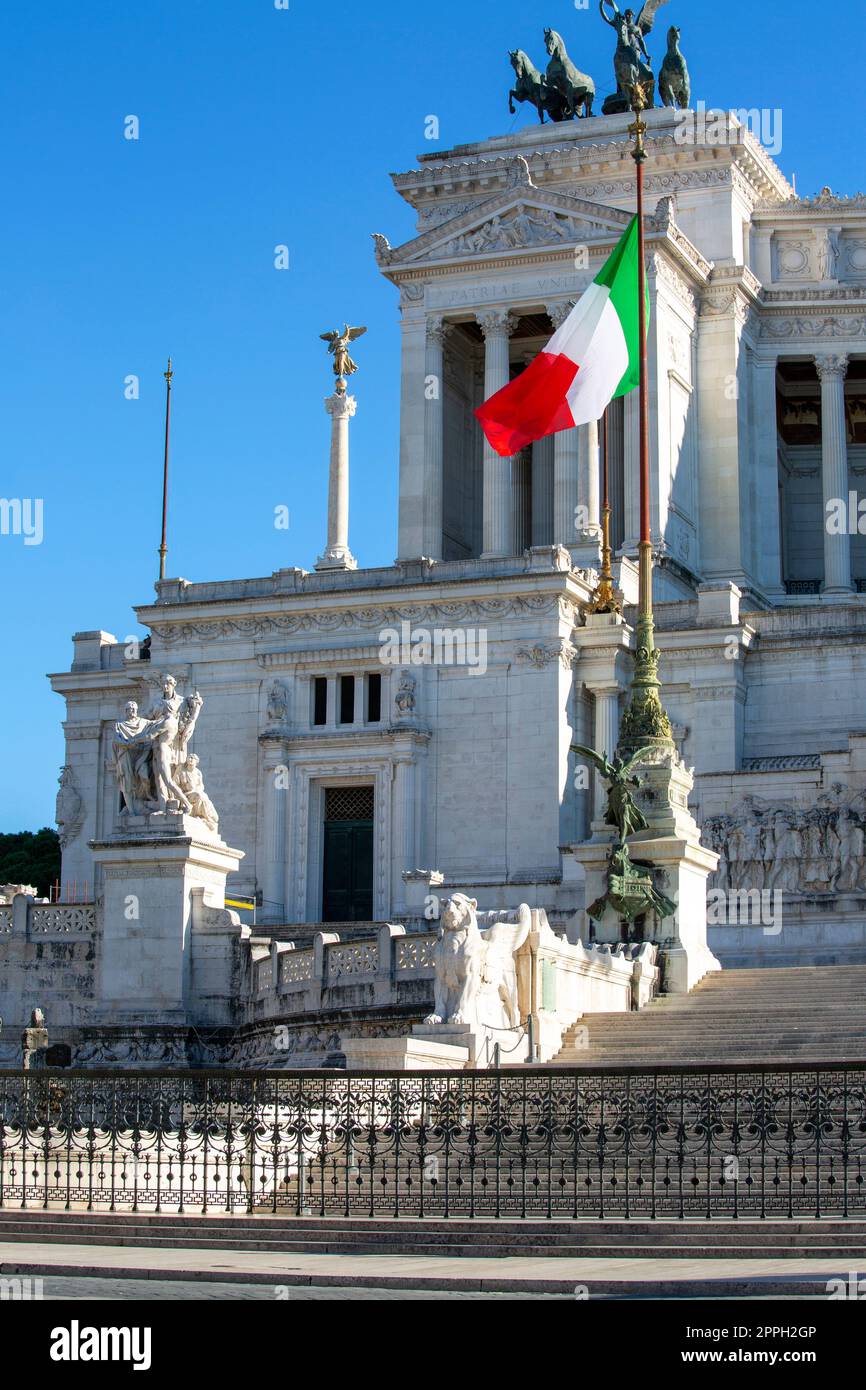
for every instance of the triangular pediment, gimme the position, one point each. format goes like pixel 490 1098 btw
pixel 515 219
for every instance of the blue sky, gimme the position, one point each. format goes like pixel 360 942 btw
pixel 258 126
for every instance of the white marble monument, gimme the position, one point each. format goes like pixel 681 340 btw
pixel 316 746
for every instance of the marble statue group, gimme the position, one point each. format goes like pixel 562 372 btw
pixel 154 770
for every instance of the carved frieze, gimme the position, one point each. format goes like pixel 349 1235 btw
pixel 803 326
pixel 355 619
pixel 803 850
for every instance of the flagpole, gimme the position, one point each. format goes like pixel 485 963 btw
pixel 604 599
pixel 163 548
pixel 645 721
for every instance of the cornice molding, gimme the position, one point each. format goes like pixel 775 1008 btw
pixel 445 613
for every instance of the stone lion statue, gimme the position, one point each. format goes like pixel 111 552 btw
pixel 476 976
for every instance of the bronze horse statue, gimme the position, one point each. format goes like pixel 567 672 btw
pixel 531 85
pixel 674 82
pixel 562 92
pixel 570 91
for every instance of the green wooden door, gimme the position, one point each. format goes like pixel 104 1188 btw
pixel 347 869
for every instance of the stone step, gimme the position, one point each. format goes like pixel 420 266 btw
pixel 722 1027
pixel 556 1230
pixel 795 1015
pixel 589 1239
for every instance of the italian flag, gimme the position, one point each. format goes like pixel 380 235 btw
pixel 592 357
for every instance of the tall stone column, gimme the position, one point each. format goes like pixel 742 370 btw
pixel 589 475
pixel 566 460
pixel 832 370
pixel 542 491
pixel 768 520
pixel 497 327
pixel 521 488
pixel 337 555
pixel 434 392
pixel 605 739
pixel 276 795
pixel 404 825
pixel 521 501
pixel 606 736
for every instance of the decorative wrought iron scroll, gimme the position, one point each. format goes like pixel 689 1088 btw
pixel 786 1142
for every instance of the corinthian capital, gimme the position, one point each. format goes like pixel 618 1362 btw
pixel 497 323
pixel 559 311
pixel 832 366
pixel 437 330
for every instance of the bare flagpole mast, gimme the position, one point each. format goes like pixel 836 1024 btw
pixel 605 599
pixel 645 720
pixel 163 548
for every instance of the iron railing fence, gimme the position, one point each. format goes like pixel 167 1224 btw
pixel 626 1143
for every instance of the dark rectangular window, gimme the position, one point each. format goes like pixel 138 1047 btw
pixel 347 699
pixel 320 700
pixel 374 699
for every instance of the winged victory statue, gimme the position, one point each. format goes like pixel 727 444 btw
pixel 338 346
pixel 632 64
pixel 621 812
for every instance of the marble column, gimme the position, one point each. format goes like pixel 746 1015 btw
pixel 605 738
pixel 434 393
pixel 497 327
pixel 337 555
pixel 404 826
pixel 521 501
pixel 542 491
pixel 589 477
pixel 767 530
pixel 566 461
pixel 832 370
pixel 521 488
pixel 276 796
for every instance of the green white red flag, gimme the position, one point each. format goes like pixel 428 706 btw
pixel 593 357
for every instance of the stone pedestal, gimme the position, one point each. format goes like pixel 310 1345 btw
pixel 684 869
pixel 164 879
pixel 403 1054
pixel 671 846
pixel 478 1041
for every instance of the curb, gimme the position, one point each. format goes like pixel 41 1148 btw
pixel 797 1285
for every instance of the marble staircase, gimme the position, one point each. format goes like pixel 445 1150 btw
pixel 765 1017
pixel 288 1235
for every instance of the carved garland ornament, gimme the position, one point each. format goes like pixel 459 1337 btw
pixel 444 613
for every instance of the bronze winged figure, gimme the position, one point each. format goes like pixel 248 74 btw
pixel 621 811
pixel 632 63
pixel 338 345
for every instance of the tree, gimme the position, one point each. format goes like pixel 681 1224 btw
pixel 30 857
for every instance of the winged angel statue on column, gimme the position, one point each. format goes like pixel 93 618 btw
pixel 632 64
pixel 338 346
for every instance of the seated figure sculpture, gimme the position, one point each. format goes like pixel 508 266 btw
pixel 476 975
